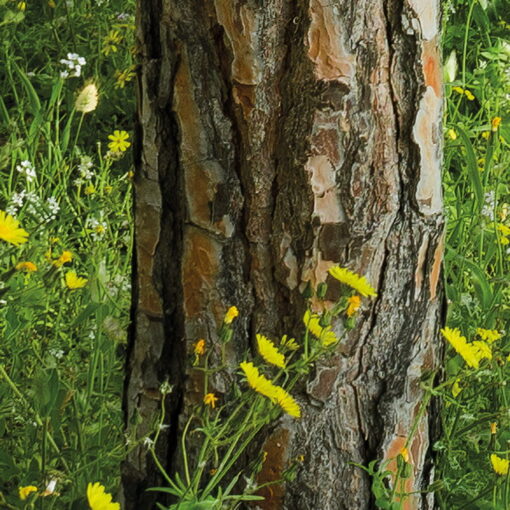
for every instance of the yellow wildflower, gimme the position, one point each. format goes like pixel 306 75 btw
pixel 269 352
pixel 86 101
pixel 231 314
pixel 452 134
pixel 75 282
pixel 287 402
pixel 98 499
pixel 486 134
pixel 489 335
pixel 481 350
pixel 460 90
pixel 324 334
pixel 119 141
pixel 494 428
pixel 495 122
pixel 52 4
pixel 123 77
pixel 405 454
pixel 460 344
pixel 200 347
pixel 289 343
pixel 503 229
pixel 354 303
pixel 90 189
pixel 10 230
pixel 210 400
pixel 358 283
pixel 499 465
pixel 66 256
pixel 28 266
pixel 24 492
pixel 110 42
pixel 257 381
pixel 22 6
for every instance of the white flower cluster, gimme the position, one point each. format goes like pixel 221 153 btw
pixel 27 169
pixel 97 228
pixel 84 168
pixel 489 205
pixel 34 205
pixel 74 64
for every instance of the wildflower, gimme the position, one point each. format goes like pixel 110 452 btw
pixel 86 101
pixel 231 314
pixel 324 334
pixel 22 6
pixel 10 230
pixel 200 347
pixel 123 77
pixel 499 465
pixel 495 122
pixel 405 454
pixel 269 352
pixel 98 499
pixel 354 302
pixel 494 428
pixel 75 282
pixel 98 228
pixel 481 350
pixel 27 169
pixel 90 189
pixel 452 134
pixel 469 95
pixel 287 402
pixel 353 280
pixel 459 90
pixel 257 381
pixel 119 141
pixel 460 344
pixel 489 205
pixel 66 256
pixel 110 42
pixel 24 492
pixel 489 335
pixel 29 267
pixel 289 343
pixel 50 488
pixel 210 400
pixel 486 134
pixel 74 64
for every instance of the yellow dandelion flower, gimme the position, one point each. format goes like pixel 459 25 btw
pixel 74 282
pixel 354 302
pixel 66 256
pixel 27 266
pixel 257 381
pixel 123 77
pixel 24 492
pixel 358 283
pixel 289 343
pixel 499 465
pixel 10 230
pixel 200 347
pixel 231 314
pixel 269 352
pixel 503 229
pixel 287 402
pixel 119 141
pixel 210 400
pixel 110 42
pixel 495 123
pixel 460 344
pixel 86 101
pixel 324 334
pixel 486 134
pixel 482 350
pixel 98 499
pixel 452 134
pixel 489 335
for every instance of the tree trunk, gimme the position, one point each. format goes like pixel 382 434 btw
pixel 278 138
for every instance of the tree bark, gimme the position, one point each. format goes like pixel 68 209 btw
pixel 278 138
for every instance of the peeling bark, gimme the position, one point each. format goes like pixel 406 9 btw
pixel 277 139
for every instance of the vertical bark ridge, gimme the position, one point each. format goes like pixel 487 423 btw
pixel 280 138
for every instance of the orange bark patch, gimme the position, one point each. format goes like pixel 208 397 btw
pixel 325 46
pixel 404 485
pixel 200 267
pixel 436 267
pixel 432 66
pixel 276 448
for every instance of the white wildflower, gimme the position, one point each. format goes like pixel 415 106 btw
pixel 27 169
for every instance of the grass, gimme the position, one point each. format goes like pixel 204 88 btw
pixel 66 176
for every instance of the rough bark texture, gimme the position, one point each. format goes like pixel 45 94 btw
pixel 278 138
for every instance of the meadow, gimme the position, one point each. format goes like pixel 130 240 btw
pixel 66 133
